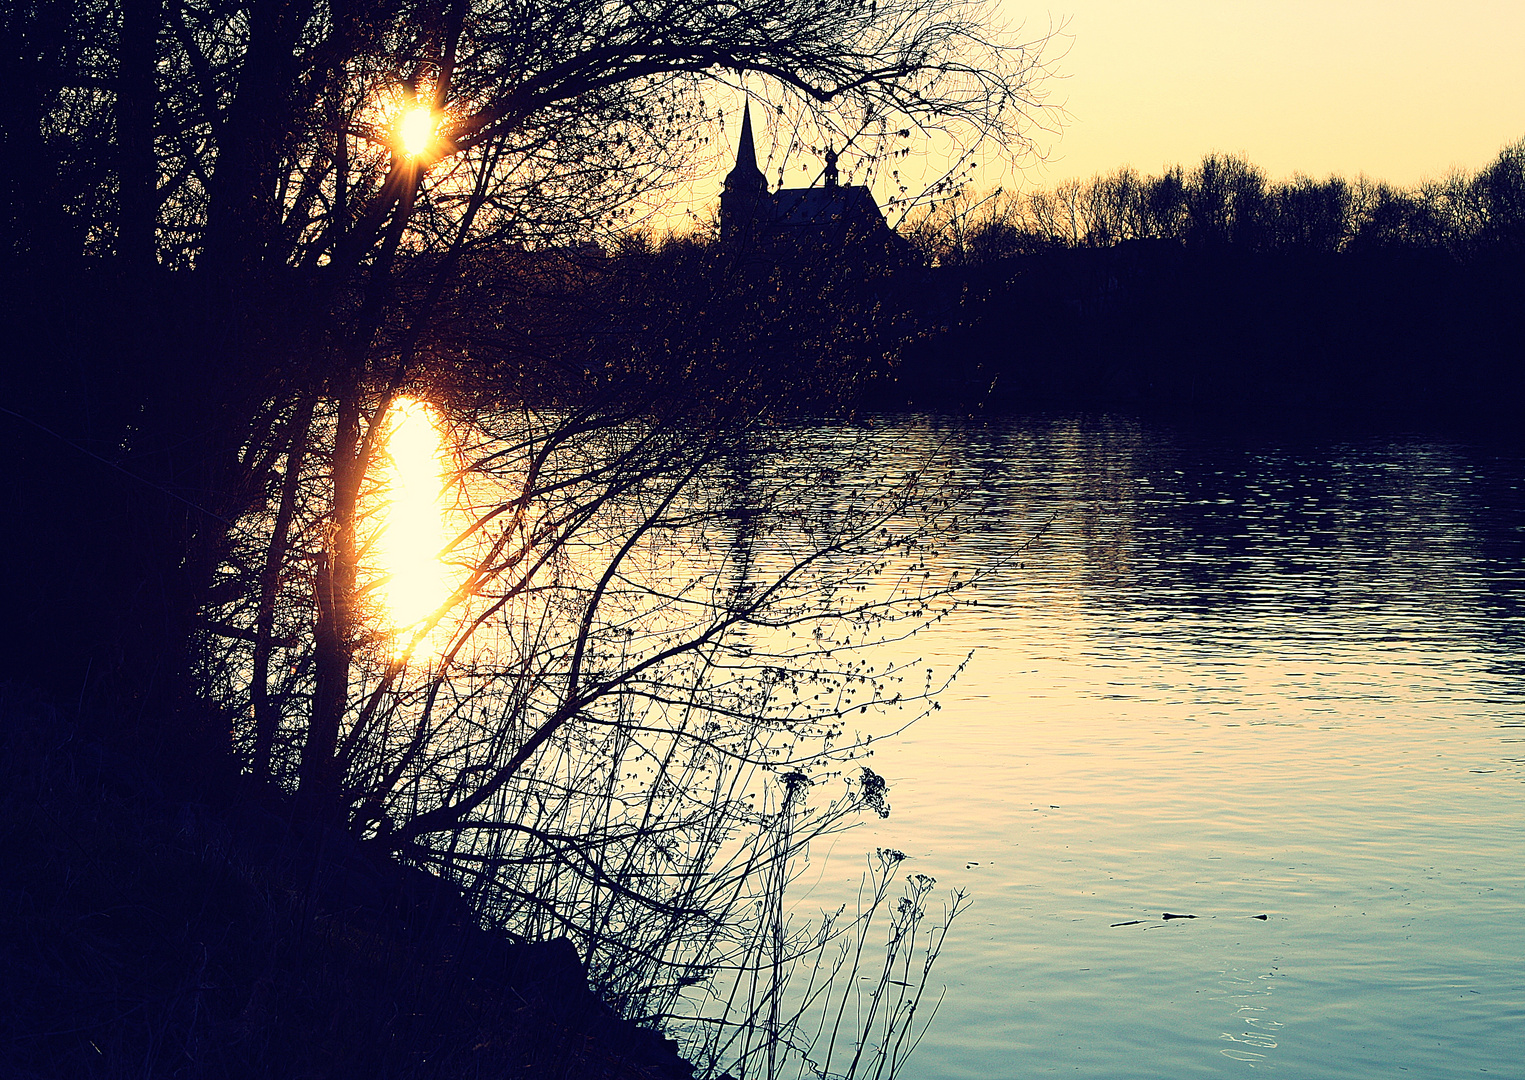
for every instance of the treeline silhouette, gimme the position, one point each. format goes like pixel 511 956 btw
pixel 1215 286
pixel 1227 201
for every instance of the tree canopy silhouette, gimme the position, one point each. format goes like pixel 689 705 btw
pixel 248 234
pixel 218 216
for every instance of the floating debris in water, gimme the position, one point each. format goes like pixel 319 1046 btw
pixel 1172 915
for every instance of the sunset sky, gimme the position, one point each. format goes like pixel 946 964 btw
pixel 1399 90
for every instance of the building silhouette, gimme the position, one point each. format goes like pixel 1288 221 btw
pixel 830 219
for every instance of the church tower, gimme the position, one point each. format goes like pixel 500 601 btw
pixel 744 201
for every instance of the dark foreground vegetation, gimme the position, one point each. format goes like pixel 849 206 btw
pixel 270 819
pixel 1216 289
pixel 204 929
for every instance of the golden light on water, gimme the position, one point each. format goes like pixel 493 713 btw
pixel 414 523
pixel 416 129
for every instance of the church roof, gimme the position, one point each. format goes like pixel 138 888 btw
pixel 818 207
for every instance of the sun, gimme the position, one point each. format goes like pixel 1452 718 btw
pixel 416 129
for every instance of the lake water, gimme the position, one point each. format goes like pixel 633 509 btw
pixel 1234 676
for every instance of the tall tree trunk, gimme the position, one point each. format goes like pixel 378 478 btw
pixel 266 716
pixel 241 214
pixel 335 630
pixel 34 216
pixel 137 167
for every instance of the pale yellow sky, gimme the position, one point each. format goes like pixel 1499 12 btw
pixel 1397 89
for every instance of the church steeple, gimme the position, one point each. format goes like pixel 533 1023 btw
pixel 745 205
pixel 746 176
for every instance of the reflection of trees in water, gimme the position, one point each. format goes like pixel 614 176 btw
pixel 1300 531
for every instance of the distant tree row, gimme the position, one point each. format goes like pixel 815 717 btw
pixel 1226 201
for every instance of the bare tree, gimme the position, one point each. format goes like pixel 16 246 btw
pixel 330 181
pixel 662 635
pixel 322 210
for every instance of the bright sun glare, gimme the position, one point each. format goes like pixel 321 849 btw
pixel 413 529
pixel 416 129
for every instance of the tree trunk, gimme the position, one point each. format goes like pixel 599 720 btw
pixel 241 214
pixel 137 166
pixel 266 717
pixel 335 630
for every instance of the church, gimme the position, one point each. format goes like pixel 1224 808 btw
pixel 832 218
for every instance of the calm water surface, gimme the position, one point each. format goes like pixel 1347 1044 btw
pixel 1233 677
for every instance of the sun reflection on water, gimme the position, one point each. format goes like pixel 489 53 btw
pixel 413 527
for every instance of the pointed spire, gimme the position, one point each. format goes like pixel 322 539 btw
pixel 746 151
pixel 746 174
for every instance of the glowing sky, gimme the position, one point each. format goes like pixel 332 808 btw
pixel 1399 90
